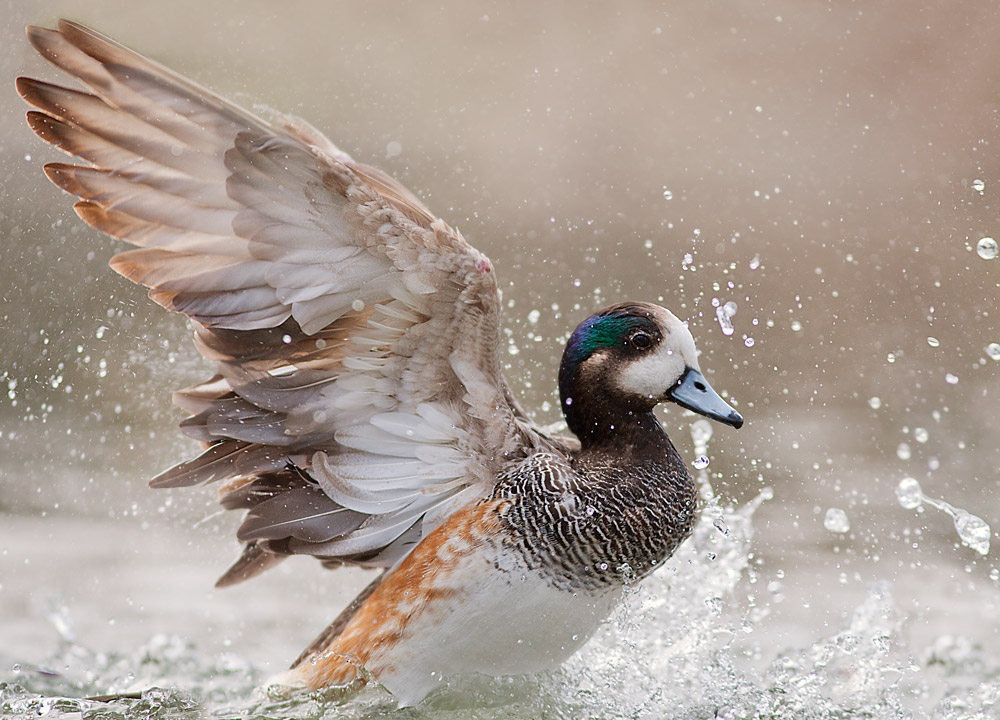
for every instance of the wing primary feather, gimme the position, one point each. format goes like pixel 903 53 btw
pixel 254 560
pixel 356 335
pixel 304 513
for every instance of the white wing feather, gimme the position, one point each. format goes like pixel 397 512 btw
pixel 356 335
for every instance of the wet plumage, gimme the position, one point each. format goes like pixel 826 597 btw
pixel 358 412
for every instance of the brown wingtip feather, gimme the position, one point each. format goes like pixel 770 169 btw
pixel 63 176
pixel 87 39
pixel 28 89
pixel 252 562
pixel 115 224
pixel 42 125
pixel 41 38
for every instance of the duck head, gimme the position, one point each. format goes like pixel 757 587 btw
pixel 623 361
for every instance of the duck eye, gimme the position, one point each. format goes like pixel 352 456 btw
pixel 642 341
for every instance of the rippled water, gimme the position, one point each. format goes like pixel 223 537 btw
pixel 686 643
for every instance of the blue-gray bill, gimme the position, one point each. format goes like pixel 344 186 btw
pixel 693 392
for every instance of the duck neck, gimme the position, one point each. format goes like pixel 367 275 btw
pixel 609 424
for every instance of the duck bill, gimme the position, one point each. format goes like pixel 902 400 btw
pixel 693 392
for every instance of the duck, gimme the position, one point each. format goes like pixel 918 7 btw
pixel 358 411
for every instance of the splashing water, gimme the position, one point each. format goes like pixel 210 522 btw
pixel 724 313
pixel 676 647
pixel 688 643
pixel 701 433
pixel 973 530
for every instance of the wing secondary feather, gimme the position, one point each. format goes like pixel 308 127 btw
pixel 358 398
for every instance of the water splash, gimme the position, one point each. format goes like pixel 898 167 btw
pixel 908 493
pixel 972 530
pixel 724 313
pixel 678 647
pixel 701 433
pixel 686 643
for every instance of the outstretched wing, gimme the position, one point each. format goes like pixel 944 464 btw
pixel 358 399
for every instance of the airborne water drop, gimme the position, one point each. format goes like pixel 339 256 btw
pixel 836 521
pixel 987 249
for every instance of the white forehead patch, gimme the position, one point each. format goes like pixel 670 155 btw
pixel 654 374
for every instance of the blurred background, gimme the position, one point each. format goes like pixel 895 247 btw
pixel 828 167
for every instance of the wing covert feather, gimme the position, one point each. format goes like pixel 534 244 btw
pixel 358 398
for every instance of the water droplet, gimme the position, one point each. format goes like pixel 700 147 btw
pixel 933 342
pixel 700 462
pixel 590 510
pixel 987 248
pixel 668 194
pixel 909 494
pixel 724 314
pixel 721 526
pixel 847 642
pixel 951 379
pixel 796 326
pixel 836 520
pixel 920 435
pixel 358 305
pixel 533 316
pixel 393 148
pixel 755 262
pixel 875 402
pixel 973 530
pixel 993 350
pixel 978 185
pixel 687 259
pixel 903 451
pixel 748 342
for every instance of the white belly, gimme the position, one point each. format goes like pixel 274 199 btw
pixel 507 622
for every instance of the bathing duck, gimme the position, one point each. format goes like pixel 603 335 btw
pixel 358 412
